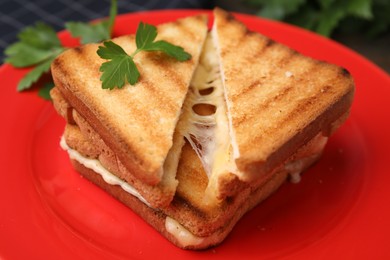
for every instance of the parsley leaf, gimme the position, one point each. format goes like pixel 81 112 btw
pixel 36 44
pixel 35 74
pixel 88 32
pixel 41 36
pixel 121 67
pixel 174 51
pixel 95 32
pixel 39 45
pixel 145 35
pixel 119 70
pixel 44 92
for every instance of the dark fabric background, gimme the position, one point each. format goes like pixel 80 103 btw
pixel 17 14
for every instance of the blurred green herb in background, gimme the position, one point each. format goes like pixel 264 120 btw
pixel 38 45
pixel 371 17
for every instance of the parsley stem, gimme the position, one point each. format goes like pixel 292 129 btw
pixel 135 53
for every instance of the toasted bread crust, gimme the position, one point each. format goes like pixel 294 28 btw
pixel 212 224
pixel 139 132
pixel 82 138
pixel 188 206
pixel 157 218
pixel 61 105
pixel 281 100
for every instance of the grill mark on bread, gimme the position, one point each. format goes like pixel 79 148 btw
pixel 78 49
pixel 305 103
pixel 345 73
pixel 277 66
pixel 164 100
pixel 243 37
pixel 83 56
pixel 267 45
pixel 179 200
pixel 87 113
pixel 160 62
pixel 262 106
pixel 153 91
pixel 200 17
pixel 179 23
pixel 269 42
pixel 229 17
pixel 248 117
pixel 183 27
pixel 173 75
pixel 57 64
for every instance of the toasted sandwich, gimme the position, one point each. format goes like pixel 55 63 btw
pixel 136 124
pixel 250 117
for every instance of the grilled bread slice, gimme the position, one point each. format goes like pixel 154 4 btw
pixel 137 122
pixel 277 99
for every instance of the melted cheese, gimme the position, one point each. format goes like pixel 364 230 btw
pixel 185 237
pixel 233 142
pixel 312 150
pixel 295 169
pixel 97 167
pixel 208 133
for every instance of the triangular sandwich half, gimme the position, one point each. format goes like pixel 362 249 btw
pixel 137 123
pixel 259 102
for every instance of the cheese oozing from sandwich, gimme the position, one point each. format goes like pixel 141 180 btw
pixel 207 127
pixel 97 167
pixel 183 235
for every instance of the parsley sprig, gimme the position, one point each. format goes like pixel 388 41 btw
pixel 39 45
pixel 121 68
pixel 94 32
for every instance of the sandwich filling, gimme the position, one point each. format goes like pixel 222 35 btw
pixel 97 167
pixel 207 127
pixel 183 235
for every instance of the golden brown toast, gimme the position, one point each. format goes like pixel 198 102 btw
pixel 277 99
pixel 83 138
pixel 136 122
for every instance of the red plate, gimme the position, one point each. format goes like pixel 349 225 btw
pixel 340 210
